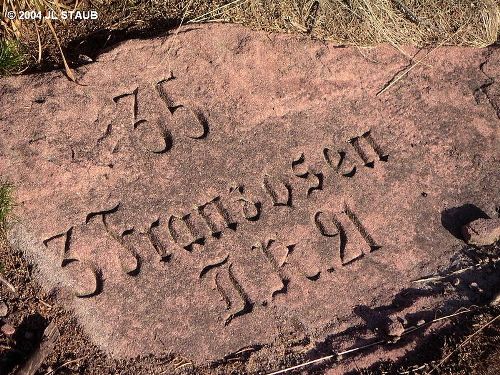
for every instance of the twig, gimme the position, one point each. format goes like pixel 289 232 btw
pixel 50 336
pixel 65 364
pixel 49 306
pixel 202 17
pixel 458 312
pixel 476 266
pixel 357 349
pixel 407 12
pixel 441 277
pixel 303 365
pixel 463 344
pixel 407 70
pixel 7 284
pixel 322 359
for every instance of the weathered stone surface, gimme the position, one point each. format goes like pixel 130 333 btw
pixel 482 232
pixel 208 192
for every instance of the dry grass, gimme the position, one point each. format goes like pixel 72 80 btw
pixel 345 22
pixel 369 22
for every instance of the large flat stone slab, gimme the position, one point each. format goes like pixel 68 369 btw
pixel 203 193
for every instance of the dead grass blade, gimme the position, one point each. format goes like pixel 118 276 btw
pixel 68 70
pixel 39 59
pixel 224 8
pixel 339 355
pixel 7 284
pixel 400 76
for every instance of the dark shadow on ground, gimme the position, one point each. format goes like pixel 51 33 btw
pixel 85 49
pixel 25 341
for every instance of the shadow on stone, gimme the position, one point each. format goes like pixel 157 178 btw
pixel 454 218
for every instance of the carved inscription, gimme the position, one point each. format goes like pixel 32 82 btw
pixel 190 231
pixel 85 279
pixel 367 157
pixel 251 209
pixel 183 233
pixel 352 244
pixel 154 134
pixel 302 170
pixel 217 217
pixel 279 191
pixel 236 300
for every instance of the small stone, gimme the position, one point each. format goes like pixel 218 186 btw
pixel 482 232
pixel 85 58
pixel 495 301
pixel 8 330
pixel 395 328
pixel 421 322
pixel 475 287
pixel 4 310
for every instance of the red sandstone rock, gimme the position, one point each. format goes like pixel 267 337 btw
pixel 263 188
pixel 482 232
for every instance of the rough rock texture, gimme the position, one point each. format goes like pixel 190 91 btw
pixel 223 188
pixel 482 232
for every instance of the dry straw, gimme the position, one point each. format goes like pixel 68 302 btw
pixel 16 28
pixel 345 22
pixel 370 22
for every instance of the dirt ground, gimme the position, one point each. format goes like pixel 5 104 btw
pixel 30 310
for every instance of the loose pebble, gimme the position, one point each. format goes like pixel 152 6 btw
pixel 4 310
pixel 8 330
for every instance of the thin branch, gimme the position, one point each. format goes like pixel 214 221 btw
pixel 65 364
pixel 339 355
pixel 7 284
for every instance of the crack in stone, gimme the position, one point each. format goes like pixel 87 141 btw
pixel 484 88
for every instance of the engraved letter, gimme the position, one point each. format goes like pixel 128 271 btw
pixel 280 192
pixel 217 217
pixel 230 289
pixel 251 209
pixel 368 159
pixel 352 245
pixel 183 233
